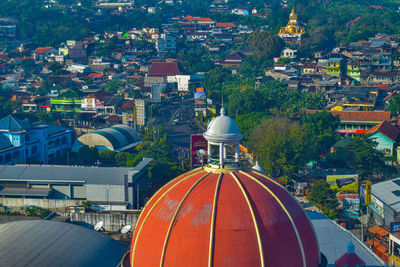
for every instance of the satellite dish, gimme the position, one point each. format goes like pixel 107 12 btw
pixel 200 155
pixel 125 229
pixel 98 226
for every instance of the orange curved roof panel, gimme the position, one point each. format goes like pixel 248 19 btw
pixel 239 218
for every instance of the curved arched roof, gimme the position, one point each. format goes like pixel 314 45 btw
pixel 50 243
pixel 114 138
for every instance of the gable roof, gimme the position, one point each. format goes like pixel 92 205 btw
pixel 385 128
pixel 369 116
pixel 162 69
pixel 11 123
pixel 225 25
pixel 42 50
pixel 235 56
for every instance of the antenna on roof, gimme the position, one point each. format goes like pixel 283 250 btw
pixel 125 229
pixel 99 226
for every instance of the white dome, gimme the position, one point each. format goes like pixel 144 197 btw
pixel 223 127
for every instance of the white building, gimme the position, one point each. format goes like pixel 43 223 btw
pixel 78 68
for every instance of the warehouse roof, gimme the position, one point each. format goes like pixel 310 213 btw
pixel 50 243
pixel 117 138
pixel 389 193
pixel 70 174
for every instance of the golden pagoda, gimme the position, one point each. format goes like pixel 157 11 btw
pixel 293 31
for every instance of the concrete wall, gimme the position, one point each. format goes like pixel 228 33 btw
pixel 112 221
pixel 39 202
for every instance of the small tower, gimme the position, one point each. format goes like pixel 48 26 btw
pixel 223 133
pixel 350 258
pixel 258 168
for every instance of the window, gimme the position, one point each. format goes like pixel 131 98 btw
pixel 34 149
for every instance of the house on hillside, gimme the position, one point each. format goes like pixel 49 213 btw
pixel 386 135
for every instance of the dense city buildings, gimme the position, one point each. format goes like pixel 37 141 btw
pixel 109 118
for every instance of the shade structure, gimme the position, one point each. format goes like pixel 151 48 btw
pixel 223 218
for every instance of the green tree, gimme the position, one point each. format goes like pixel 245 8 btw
pixel 325 198
pixel 113 86
pixel 121 158
pixel 214 81
pixel 88 154
pixel 282 146
pixel 107 157
pixel 265 45
pixel 367 159
pixel 322 126
pixel 45 88
pixel 28 65
pixel 394 105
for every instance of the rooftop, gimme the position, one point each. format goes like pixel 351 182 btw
pixel 389 193
pixel 50 243
pixel 71 174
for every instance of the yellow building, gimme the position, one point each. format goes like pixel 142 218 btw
pixel 293 31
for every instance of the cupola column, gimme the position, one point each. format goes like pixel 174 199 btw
pixel 209 150
pixel 225 152
pixel 237 153
pixel 221 153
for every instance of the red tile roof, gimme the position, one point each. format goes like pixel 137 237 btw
pixel 385 128
pixel 96 75
pixel 225 25
pixel 190 18
pixel 162 69
pixel 42 50
pixel 128 104
pixel 371 116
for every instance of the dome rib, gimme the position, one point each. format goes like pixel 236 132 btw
pixel 212 224
pixel 266 177
pixel 286 212
pixel 155 204
pixel 260 248
pixel 175 215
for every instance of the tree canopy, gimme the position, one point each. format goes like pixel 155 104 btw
pixel 281 146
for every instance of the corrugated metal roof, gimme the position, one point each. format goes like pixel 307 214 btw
pixel 50 243
pixel 333 239
pixel 384 192
pixel 90 175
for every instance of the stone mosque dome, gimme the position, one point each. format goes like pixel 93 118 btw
pixel 223 215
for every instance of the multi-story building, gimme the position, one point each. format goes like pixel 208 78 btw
pixel 67 106
pixel 22 142
pixel 166 43
pixel 335 67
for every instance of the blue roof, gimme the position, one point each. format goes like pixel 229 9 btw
pixel 5 142
pixel 11 123
pixel 54 129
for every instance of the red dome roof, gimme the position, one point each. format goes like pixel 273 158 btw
pixel 231 219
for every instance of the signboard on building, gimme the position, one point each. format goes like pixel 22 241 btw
pixel 351 207
pixel 377 206
pixel 395 227
pixel 198 150
pixel 347 182
pixel 200 100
